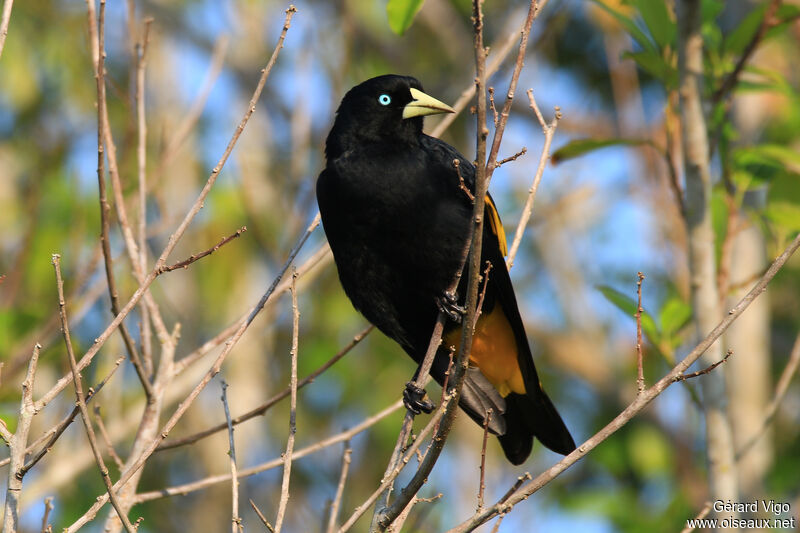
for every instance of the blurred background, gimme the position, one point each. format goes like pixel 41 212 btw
pixel 601 215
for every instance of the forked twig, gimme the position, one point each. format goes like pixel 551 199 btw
pixel 81 400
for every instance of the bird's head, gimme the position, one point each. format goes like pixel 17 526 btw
pixel 386 108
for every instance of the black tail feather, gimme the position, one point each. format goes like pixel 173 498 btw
pixel 528 417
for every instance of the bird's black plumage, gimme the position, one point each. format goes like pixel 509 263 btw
pixel 397 221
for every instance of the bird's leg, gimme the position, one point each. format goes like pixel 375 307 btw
pixel 416 399
pixel 448 304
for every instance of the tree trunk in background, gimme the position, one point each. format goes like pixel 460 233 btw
pixel 749 369
pixel 702 262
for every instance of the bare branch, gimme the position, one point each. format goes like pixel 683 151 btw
pixel 483 174
pixel 194 257
pixel 533 13
pixel 404 459
pixel 236 520
pixel 337 500
pixel 509 159
pixel 706 370
pixel 52 435
pixel 549 131
pixel 287 456
pixel 140 50
pixel 97 28
pixel 262 517
pixel 274 463
pixel 184 406
pixel 261 409
pixel 178 233
pixel 638 404
pixel 17 444
pixel 76 380
pixel 640 386
pixel 482 486
pixel 106 439
pixel 48 506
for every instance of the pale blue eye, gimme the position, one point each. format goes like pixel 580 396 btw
pixel 385 99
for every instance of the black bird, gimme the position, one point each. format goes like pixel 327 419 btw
pixel 397 220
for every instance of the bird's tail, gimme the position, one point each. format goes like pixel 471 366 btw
pixel 533 415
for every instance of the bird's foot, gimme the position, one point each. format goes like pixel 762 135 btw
pixel 416 399
pixel 448 304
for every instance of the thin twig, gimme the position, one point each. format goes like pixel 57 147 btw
pixel 48 506
pixel 236 520
pixel 511 158
pixel 706 370
pixel 262 517
pixel 106 439
pixel 287 456
pixel 194 257
pixel 495 118
pixel 404 459
pixel 98 28
pixel 187 488
pixel 76 380
pixel 178 233
pixel 17 444
pixel 549 131
pixel 482 486
pixel 337 500
pixel 500 52
pixel 322 254
pixel 640 386
pixel 140 50
pixel 482 297
pixel 638 404
pixel 52 435
pixel 533 13
pixel 184 406
pixel 461 184
pixel 261 409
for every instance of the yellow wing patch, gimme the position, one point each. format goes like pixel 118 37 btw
pixel 494 351
pixel 497 225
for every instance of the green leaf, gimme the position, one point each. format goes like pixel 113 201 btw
pixel 655 65
pixel 737 40
pixel 674 315
pixel 401 14
pixel 628 306
pixel 710 10
pixel 580 147
pixel 784 214
pixel 784 156
pixel 659 21
pixel 630 26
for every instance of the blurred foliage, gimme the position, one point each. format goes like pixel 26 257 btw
pixel 599 218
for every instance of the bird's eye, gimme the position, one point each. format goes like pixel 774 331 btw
pixel 385 99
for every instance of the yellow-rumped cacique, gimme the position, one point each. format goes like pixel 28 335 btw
pixel 397 220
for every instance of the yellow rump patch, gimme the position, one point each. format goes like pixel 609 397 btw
pixel 494 351
pixel 497 226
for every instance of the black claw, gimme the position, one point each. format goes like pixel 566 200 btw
pixel 448 304
pixel 416 399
